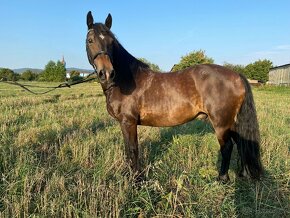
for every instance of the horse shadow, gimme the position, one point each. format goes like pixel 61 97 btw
pixel 256 198
pixel 264 198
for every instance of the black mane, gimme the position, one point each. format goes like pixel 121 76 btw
pixel 126 66
pixel 121 56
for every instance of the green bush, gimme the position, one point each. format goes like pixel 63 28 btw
pixel 192 59
pixel 259 70
pixel 53 72
pixel 7 74
pixel 28 75
pixel 152 66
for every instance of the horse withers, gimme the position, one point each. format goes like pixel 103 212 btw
pixel 136 95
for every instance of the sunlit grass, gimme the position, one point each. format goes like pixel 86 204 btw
pixel 61 155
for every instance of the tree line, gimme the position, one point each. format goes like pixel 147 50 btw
pixel 53 72
pixel 56 72
pixel 258 70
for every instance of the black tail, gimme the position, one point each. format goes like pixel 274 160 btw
pixel 247 135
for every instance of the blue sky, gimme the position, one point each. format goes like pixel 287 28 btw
pixel 235 31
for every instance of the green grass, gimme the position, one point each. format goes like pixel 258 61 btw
pixel 61 155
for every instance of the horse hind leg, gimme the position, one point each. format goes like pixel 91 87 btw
pixel 223 120
pixel 226 148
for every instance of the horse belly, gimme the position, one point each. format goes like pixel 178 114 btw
pixel 161 115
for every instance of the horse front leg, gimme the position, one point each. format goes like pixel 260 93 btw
pixel 129 131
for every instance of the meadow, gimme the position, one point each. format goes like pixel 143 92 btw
pixel 61 155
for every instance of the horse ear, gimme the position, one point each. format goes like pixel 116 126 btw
pixel 108 22
pixel 90 20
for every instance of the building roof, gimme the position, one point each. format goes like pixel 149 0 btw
pixel 281 66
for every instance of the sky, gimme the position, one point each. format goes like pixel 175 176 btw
pixel 33 32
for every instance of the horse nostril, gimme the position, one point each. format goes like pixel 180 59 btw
pixel 112 75
pixel 101 73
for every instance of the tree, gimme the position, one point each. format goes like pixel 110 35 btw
pixel 60 72
pixel 235 67
pixel 192 59
pixel 53 72
pixel 7 74
pixel 28 75
pixel 259 70
pixel 152 66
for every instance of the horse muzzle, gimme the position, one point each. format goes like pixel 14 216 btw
pixel 106 76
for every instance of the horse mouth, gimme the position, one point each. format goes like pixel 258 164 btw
pixel 110 86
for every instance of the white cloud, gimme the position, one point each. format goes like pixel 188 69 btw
pixel 279 55
pixel 282 47
pixel 264 53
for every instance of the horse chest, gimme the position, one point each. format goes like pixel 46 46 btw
pixel 113 105
pixel 120 107
pixel 111 111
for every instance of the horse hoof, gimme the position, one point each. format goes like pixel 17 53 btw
pixel 243 174
pixel 223 178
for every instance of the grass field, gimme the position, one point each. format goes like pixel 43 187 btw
pixel 61 155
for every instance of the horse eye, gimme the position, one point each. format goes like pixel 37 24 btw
pixel 90 41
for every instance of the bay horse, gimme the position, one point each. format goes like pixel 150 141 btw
pixel 136 95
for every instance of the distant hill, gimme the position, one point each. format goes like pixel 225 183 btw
pixel 21 70
pixel 35 70
pixel 68 70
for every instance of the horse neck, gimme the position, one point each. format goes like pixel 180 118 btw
pixel 126 64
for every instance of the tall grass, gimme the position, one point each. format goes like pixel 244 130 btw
pixel 61 155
